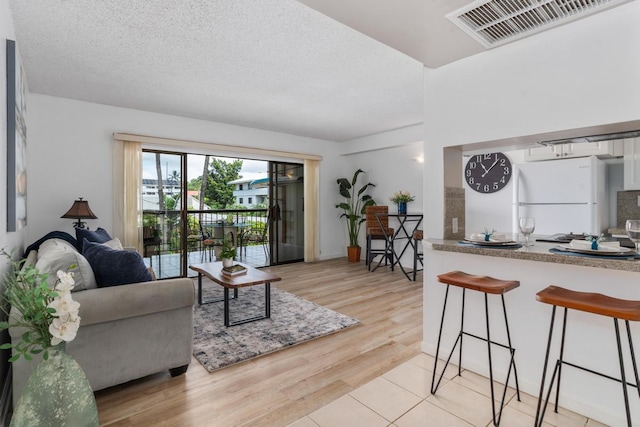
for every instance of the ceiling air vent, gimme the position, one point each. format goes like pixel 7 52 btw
pixel 496 22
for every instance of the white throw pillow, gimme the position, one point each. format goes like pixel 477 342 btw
pixel 57 254
pixel 114 244
pixel 56 243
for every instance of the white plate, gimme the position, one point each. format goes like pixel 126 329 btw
pixel 622 251
pixel 491 243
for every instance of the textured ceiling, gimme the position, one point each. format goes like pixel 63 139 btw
pixel 270 64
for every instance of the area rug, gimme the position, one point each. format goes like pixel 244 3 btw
pixel 293 320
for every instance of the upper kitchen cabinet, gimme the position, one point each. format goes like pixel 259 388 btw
pixel 602 149
pixel 631 163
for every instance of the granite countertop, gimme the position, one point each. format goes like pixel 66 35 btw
pixel 538 252
pixel 617 231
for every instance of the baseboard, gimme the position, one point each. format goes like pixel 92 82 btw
pixel 6 398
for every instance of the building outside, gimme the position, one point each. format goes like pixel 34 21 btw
pixel 251 192
pixel 150 200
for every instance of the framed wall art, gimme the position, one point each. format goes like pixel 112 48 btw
pixel 16 141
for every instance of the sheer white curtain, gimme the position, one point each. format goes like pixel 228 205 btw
pixel 132 181
pixel 311 210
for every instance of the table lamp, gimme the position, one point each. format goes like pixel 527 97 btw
pixel 79 210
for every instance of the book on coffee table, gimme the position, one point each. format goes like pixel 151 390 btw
pixel 234 270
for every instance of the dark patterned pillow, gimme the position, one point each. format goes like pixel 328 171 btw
pixel 113 267
pixel 98 236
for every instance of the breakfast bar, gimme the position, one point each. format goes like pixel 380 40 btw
pixel 590 339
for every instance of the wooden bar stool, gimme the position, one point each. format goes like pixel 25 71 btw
pixel 603 305
pixel 487 285
pixel 375 232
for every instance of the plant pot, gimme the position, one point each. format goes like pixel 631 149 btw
pixel 227 262
pixel 353 253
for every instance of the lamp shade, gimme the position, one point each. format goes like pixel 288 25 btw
pixel 79 210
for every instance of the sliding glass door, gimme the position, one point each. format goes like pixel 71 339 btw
pixel 162 219
pixel 190 206
pixel 286 184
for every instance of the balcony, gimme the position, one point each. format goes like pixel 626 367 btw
pixel 169 246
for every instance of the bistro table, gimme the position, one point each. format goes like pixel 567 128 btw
pixel 407 224
pixel 253 276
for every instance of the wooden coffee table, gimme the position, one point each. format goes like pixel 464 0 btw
pixel 252 277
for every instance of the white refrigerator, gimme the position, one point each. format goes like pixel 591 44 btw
pixel 564 196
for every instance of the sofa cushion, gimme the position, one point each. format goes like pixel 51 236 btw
pixel 115 267
pixel 57 254
pixel 114 244
pixel 98 236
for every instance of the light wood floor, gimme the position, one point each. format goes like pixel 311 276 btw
pixel 280 388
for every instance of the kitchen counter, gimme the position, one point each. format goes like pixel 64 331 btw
pixel 538 252
pixel 590 339
pixel 617 231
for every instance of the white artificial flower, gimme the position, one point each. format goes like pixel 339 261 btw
pixel 65 282
pixel 63 331
pixel 65 307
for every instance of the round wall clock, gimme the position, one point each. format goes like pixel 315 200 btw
pixel 488 173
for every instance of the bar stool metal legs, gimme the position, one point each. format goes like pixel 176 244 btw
pixel 599 304
pixel 557 371
pixel 497 415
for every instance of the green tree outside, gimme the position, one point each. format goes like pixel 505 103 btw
pixel 219 194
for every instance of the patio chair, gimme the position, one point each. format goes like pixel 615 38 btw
pixel 257 234
pixel 210 242
pixel 151 245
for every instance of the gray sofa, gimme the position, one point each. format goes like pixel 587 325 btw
pixel 126 332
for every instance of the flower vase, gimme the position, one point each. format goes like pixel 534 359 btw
pixel 57 393
pixel 402 208
pixel 227 262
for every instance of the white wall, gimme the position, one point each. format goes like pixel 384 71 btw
pixel 577 75
pixel 390 160
pixel 70 155
pixel 391 170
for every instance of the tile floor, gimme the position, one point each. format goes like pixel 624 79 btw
pixel 401 398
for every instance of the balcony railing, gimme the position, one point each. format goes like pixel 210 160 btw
pixel 166 241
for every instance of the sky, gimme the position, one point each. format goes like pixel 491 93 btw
pixel 170 162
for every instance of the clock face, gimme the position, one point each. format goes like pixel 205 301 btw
pixel 488 173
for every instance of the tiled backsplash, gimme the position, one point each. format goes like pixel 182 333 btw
pixel 627 207
pixel 454 207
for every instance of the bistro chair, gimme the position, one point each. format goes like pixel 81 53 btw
pixel 256 235
pixel 417 254
pixel 151 245
pixel 209 242
pixel 377 226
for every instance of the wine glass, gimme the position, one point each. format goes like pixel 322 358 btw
pixel 528 224
pixel 633 231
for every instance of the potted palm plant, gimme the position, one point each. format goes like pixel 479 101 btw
pixel 354 210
